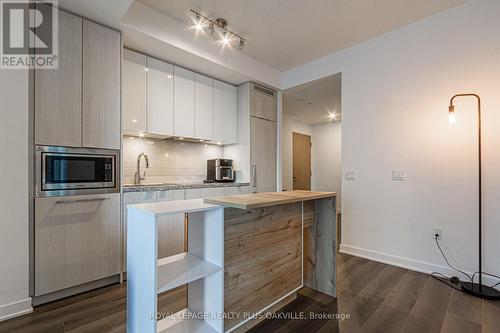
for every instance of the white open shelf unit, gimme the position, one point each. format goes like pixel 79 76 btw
pixel 201 268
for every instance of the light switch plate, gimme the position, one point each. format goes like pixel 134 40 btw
pixel 398 175
pixel 350 175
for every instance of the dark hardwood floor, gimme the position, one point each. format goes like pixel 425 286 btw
pixel 377 297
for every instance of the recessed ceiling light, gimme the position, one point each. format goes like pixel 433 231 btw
pixel 309 103
pixel 219 143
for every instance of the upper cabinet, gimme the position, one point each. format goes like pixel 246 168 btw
pixel 134 91
pixel 78 104
pixel 204 107
pixel 262 103
pixel 101 86
pixel 160 107
pixel 184 96
pixel 165 100
pixel 58 93
pixel 225 113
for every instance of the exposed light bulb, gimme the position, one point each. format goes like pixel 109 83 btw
pixel 199 23
pixel 452 118
pixel 225 38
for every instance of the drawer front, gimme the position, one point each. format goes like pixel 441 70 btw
pixel 77 240
pixel 201 193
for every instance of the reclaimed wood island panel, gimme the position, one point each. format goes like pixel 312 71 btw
pixel 274 244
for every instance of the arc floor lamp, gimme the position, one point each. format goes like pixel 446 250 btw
pixel 476 289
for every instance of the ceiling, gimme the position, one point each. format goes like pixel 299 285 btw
pixel 287 33
pixel 312 102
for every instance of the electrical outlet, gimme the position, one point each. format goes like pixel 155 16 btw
pixel 439 232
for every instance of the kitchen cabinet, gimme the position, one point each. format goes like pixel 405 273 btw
pixel 58 98
pixel 237 190
pixel 134 92
pixel 263 155
pixel 225 113
pixel 262 103
pixel 101 117
pixel 77 240
pixel 132 198
pixel 204 107
pixel 197 193
pixel 160 91
pixel 184 96
pixel 171 229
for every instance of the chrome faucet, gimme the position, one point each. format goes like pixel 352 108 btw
pixel 138 177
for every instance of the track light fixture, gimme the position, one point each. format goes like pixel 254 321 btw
pixel 226 35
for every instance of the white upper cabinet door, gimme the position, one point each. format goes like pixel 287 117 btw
pixel 101 118
pixel 225 113
pixel 204 107
pixel 160 97
pixel 183 102
pixel 134 92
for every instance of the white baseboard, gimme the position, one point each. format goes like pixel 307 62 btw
pixel 407 263
pixel 15 309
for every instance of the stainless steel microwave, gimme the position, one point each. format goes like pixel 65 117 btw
pixel 62 171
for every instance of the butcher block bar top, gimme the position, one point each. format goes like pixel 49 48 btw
pixel 267 199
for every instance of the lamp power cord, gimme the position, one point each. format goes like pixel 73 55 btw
pixel 454 280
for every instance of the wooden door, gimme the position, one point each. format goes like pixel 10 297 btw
pixel 160 97
pixel 58 99
pixel 77 240
pixel 134 92
pixel 301 162
pixel 101 87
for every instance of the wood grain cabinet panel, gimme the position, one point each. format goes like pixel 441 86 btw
pixel 262 105
pixel 58 93
pixel 77 240
pixel 262 257
pixel 171 235
pixel 101 87
pixel 263 154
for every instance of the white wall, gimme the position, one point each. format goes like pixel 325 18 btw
pixel 326 158
pixel 289 126
pixel 395 95
pixel 14 263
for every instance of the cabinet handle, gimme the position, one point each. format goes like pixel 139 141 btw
pixel 79 200
pixel 254 176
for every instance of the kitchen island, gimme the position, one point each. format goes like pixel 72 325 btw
pixel 246 254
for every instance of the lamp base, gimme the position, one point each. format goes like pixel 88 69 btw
pixel 480 291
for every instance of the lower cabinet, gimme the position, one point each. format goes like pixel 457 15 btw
pixel 171 229
pixel 198 193
pixel 131 198
pixel 238 190
pixel 77 240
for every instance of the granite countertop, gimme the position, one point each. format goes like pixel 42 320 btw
pixel 170 186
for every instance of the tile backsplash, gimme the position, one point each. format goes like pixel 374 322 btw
pixel 169 161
